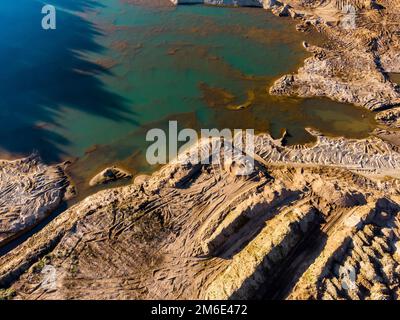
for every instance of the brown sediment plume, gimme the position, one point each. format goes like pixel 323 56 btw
pixel 218 97
pixel 395 77
pixel 151 3
pixel 106 63
pixel 92 149
pixel 352 63
pixel 172 51
pixel 42 125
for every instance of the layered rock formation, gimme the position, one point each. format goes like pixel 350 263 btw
pixel 200 231
pixel 29 191
pixel 353 66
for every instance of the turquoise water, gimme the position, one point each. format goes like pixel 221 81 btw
pixel 167 53
pixel 92 88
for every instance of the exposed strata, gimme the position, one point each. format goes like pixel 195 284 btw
pixel 308 219
pixel 353 66
pixel 201 231
pixel 29 191
pixel 109 175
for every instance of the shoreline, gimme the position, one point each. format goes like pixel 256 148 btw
pixel 191 231
pixel 304 83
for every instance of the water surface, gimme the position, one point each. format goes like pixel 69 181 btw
pixel 114 69
pixel 395 77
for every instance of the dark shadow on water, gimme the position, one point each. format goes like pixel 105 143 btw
pixel 27 234
pixel 43 70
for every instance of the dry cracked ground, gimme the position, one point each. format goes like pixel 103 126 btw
pixel 320 221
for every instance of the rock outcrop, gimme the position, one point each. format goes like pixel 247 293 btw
pixel 195 230
pixel 308 222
